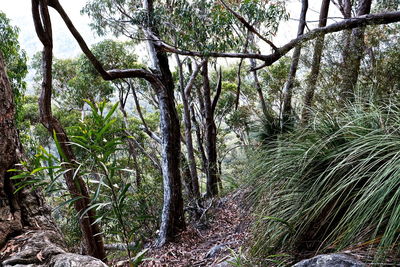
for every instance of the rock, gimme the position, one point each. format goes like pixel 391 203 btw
pixel 331 260
pixel 75 260
pixel 225 263
pixel 42 248
pixel 215 250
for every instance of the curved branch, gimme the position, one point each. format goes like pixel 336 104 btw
pixel 346 24
pixel 248 25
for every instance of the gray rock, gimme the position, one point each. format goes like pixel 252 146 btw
pixel 75 260
pixel 215 250
pixel 226 263
pixel 331 260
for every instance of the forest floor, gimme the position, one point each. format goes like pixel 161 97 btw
pixel 226 232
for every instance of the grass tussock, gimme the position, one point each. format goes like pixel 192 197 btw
pixel 334 185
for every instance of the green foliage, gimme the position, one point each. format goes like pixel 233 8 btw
pixel 123 210
pixel 15 59
pixel 203 25
pixel 334 184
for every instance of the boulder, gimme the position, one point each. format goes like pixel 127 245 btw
pixel 331 260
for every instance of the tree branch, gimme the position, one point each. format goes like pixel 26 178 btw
pixel 218 92
pixel 346 24
pixel 248 25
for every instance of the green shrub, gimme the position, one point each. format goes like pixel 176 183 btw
pixel 335 184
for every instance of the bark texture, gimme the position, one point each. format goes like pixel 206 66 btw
pixel 28 234
pixel 185 95
pixel 210 130
pixel 172 217
pixel 315 65
pixel 352 55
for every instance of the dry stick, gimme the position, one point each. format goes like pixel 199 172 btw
pixel 239 83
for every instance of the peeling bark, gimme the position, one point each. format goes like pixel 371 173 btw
pixel 172 217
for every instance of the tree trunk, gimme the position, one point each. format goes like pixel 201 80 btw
pixel 199 140
pixel 185 95
pixel 172 217
pixel 28 234
pixel 286 112
pixel 210 136
pixel 316 62
pixel 92 236
pixel 352 55
pixel 131 145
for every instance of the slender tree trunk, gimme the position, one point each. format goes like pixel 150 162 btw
pixel 259 89
pixel 172 218
pixel 199 140
pixel 316 62
pixel 286 112
pixel 185 95
pixel 210 136
pixel 26 226
pixel 90 229
pixel 352 55
pixel 131 145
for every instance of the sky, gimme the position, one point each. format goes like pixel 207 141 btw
pixel 19 11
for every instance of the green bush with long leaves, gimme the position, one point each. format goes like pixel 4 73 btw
pixel 124 211
pixel 333 185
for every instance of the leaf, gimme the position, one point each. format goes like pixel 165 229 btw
pixel 111 112
pixel 68 202
pixel 59 149
pixel 281 221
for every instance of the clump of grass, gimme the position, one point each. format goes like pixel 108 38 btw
pixel 334 184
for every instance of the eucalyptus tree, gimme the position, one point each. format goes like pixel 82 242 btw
pixel 352 55
pixel 286 111
pixel 144 21
pixel 159 77
pixel 316 62
pixel 76 185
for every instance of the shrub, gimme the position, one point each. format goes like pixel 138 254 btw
pixel 333 185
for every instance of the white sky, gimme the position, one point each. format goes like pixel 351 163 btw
pixel 19 11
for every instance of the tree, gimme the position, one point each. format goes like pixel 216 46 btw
pixel 161 79
pixel 352 55
pixel 14 58
pixel 210 130
pixel 77 187
pixel 315 65
pixel 286 111
pixel 185 95
pixel 24 211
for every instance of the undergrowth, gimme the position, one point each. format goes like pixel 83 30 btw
pixel 333 185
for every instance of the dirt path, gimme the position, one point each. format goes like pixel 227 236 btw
pixel 226 231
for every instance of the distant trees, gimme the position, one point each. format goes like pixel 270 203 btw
pixel 200 29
